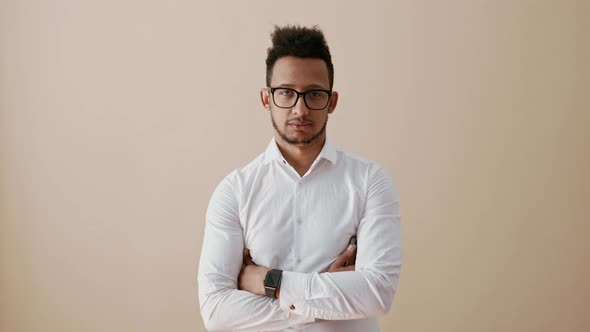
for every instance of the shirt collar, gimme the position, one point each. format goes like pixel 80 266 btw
pixel 329 152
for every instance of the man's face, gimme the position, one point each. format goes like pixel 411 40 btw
pixel 299 125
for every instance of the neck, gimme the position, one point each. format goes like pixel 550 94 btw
pixel 300 156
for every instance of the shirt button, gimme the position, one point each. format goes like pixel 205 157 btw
pixel 299 221
pixel 292 307
pixel 298 260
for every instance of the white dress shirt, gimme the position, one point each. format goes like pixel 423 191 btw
pixel 300 225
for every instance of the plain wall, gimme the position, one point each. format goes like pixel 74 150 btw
pixel 119 118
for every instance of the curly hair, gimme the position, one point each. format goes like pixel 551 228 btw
pixel 301 42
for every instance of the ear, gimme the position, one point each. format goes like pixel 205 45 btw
pixel 333 102
pixel 265 98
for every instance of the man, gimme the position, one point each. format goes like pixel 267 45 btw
pixel 276 254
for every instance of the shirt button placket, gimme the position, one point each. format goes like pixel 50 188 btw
pixel 297 226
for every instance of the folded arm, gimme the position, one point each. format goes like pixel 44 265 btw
pixel 304 297
pixel 223 306
pixel 366 291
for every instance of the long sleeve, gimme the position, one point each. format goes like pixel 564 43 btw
pixel 369 290
pixel 223 306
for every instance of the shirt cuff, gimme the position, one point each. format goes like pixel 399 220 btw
pixel 294 287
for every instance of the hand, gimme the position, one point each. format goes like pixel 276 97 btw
pixel 346 260
pixel 251 278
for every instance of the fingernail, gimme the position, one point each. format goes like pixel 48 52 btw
pixel 350 247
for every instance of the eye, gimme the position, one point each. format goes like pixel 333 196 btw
pixel 285 92
pixel 315 94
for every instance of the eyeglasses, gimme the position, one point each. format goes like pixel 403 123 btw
pixel 287 98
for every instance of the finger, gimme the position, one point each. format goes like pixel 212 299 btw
pixel 345 268
pixel 344 256
pixel 352 259
pixel 247 258
pixel 352 240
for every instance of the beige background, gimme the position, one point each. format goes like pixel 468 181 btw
pixel 118 119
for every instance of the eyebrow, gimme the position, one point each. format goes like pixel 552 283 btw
pixel 311 86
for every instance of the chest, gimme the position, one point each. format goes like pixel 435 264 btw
pixel 299 225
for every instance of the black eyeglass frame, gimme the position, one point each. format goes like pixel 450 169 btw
pixel 272 93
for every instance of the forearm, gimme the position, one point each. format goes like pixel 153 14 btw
pixel 340 295
pixel 236 310
pixel 225 307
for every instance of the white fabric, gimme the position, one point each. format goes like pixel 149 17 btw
pixel 300 225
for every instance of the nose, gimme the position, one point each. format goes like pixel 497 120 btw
pixel 300 108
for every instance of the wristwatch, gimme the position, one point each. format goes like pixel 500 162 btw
pixel 272 282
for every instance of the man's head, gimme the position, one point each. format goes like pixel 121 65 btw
pixel 299 42
pixel 299 61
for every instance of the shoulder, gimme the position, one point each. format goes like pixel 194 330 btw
pixel 360 164
pixel 225 196
pixel 238 176
pixel 373 176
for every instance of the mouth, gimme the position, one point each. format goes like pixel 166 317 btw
pixel 299 125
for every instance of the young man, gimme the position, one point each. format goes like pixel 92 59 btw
pixel 276 254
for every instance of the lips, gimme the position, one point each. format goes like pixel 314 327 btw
pixel 300 126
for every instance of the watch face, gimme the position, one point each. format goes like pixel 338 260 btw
pixel 272 278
